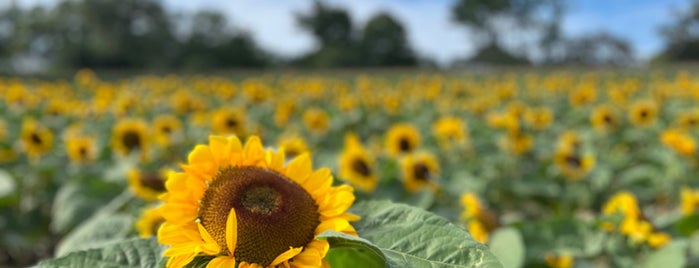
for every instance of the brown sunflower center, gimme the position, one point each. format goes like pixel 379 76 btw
pixel 361 167
pixel 153 181
pixel 421 172
pixel 607 119
pixel 131 140
pixel 644 113
pixel 231 122
pixel 404 145
pixel 166 129
pixel 273 212
pixel 36 139
pixel 573 161
pixel 82 152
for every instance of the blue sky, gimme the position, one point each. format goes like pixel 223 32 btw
pixel 430 31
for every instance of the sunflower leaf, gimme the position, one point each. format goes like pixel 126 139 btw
pixel 412 237
pixel 96 232
pixel 135 252
pixel 350 251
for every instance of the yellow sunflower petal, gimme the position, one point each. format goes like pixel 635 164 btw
pixel 299 168
pixel 286 256
pixel 312 255
pixel 335 224
pixel 180 260
pixel 231 231
pixel 200 154
pixel 219 149
pixel 221 262
pixel 249 265
pixel 209 246
pixel 253 150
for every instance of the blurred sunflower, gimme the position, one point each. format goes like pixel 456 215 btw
pixel 35 139
pixel 244 206
pixel 229 122
pixel 81 149
pixel 573 165
pixel 449 131
pixel 538 118
pixel 420 170
pixel 569 142
pixel 604 118
pixel 283 112
pixel 293 146
pixel 150 220
pixel 402 139
pixel 516 142
pixel 679 141
pixel 689 199
pixel 130 135
pixel 147 185
pixel 3 130
pixel 167 128
pixel 643 113
pixel 479 221
pixel 585 94
pixel 316 120
pixel 689 119
pixel 563 260
pixel 357 165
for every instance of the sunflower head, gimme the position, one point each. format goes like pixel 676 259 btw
pixel 316 120
pixel 35 139
pixel 247 206
pixel 604 118
pixel 420 170
pixel 449 131
pixel 689 199
pixel 81 149
pixel 538 118
pixel 402 139
pixel 357 165
pixel 229 122
pixel 147 184
pixel 293 146
pixel 150 220
pixel 643 113
pixel 574 165
pixel 563 260
pixel 130 136
pixel 679 141
pixel 166 128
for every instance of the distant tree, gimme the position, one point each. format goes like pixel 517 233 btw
pixel 333 30
pixel 384 43
pixel 598 49
pixel 682 36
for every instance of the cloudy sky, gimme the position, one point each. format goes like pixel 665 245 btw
pixel 430 31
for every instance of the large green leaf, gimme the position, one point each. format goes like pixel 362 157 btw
pixel 96 232
pixel 672 255
pixel 349 251
pixel 412 237
pixel 508 246
pixel 133 252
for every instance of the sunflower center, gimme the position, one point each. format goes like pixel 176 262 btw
pixel 607 119
pixel 573 161
pixel 153 182
pixel 230 122
pixel 361 167
pixel 421 172
pixel 131 140
pixel 404 145
pixel 35 139
pixel 83 152
pixel 644 113
pixel 273 212
pixel 166 129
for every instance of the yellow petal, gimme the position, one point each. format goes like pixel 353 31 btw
pixel 221 262
pixel 299 168
pixel 286 256
pixel 219 149
pixel 200 154
pixel 209 246
pixel 231 231
pixel 181 260
pixel 253 150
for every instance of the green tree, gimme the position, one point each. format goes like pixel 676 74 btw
pixel 682 36
pixel 383 43
pixel 333 31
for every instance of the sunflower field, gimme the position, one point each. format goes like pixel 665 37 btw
pixel 495 169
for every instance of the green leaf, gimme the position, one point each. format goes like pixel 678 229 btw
pixel 133 252
pixel 508 246
pixel 687 224
pixel 349 251
pixel 70 206
pixel 412 237
pixel 96 232
pixel 670 256
pixel 7 184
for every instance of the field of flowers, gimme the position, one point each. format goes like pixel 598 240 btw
pixel 523 169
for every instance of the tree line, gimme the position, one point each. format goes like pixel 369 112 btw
pixel 143 34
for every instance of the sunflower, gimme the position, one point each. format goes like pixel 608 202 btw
pixel 573 165
pixel 604 118
pixel 402 139
pixel 3 130
pixel 538 118
pixel 643 113
pixel 563 260
pixel 689 201
pixel 35 139
pixel 283 112
pixel 229 122
pixel 146 184
pixel 420 170
pixel 357 165
pixel 449 131
pixel 688 120
pixel 150 220
pixel 81 149
pixel 293 146
pixel 480 222
pixel 166 128
pixel 516 142
pixel 129 136
pixel 316 120
pixel 244 206
pixel 679 141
